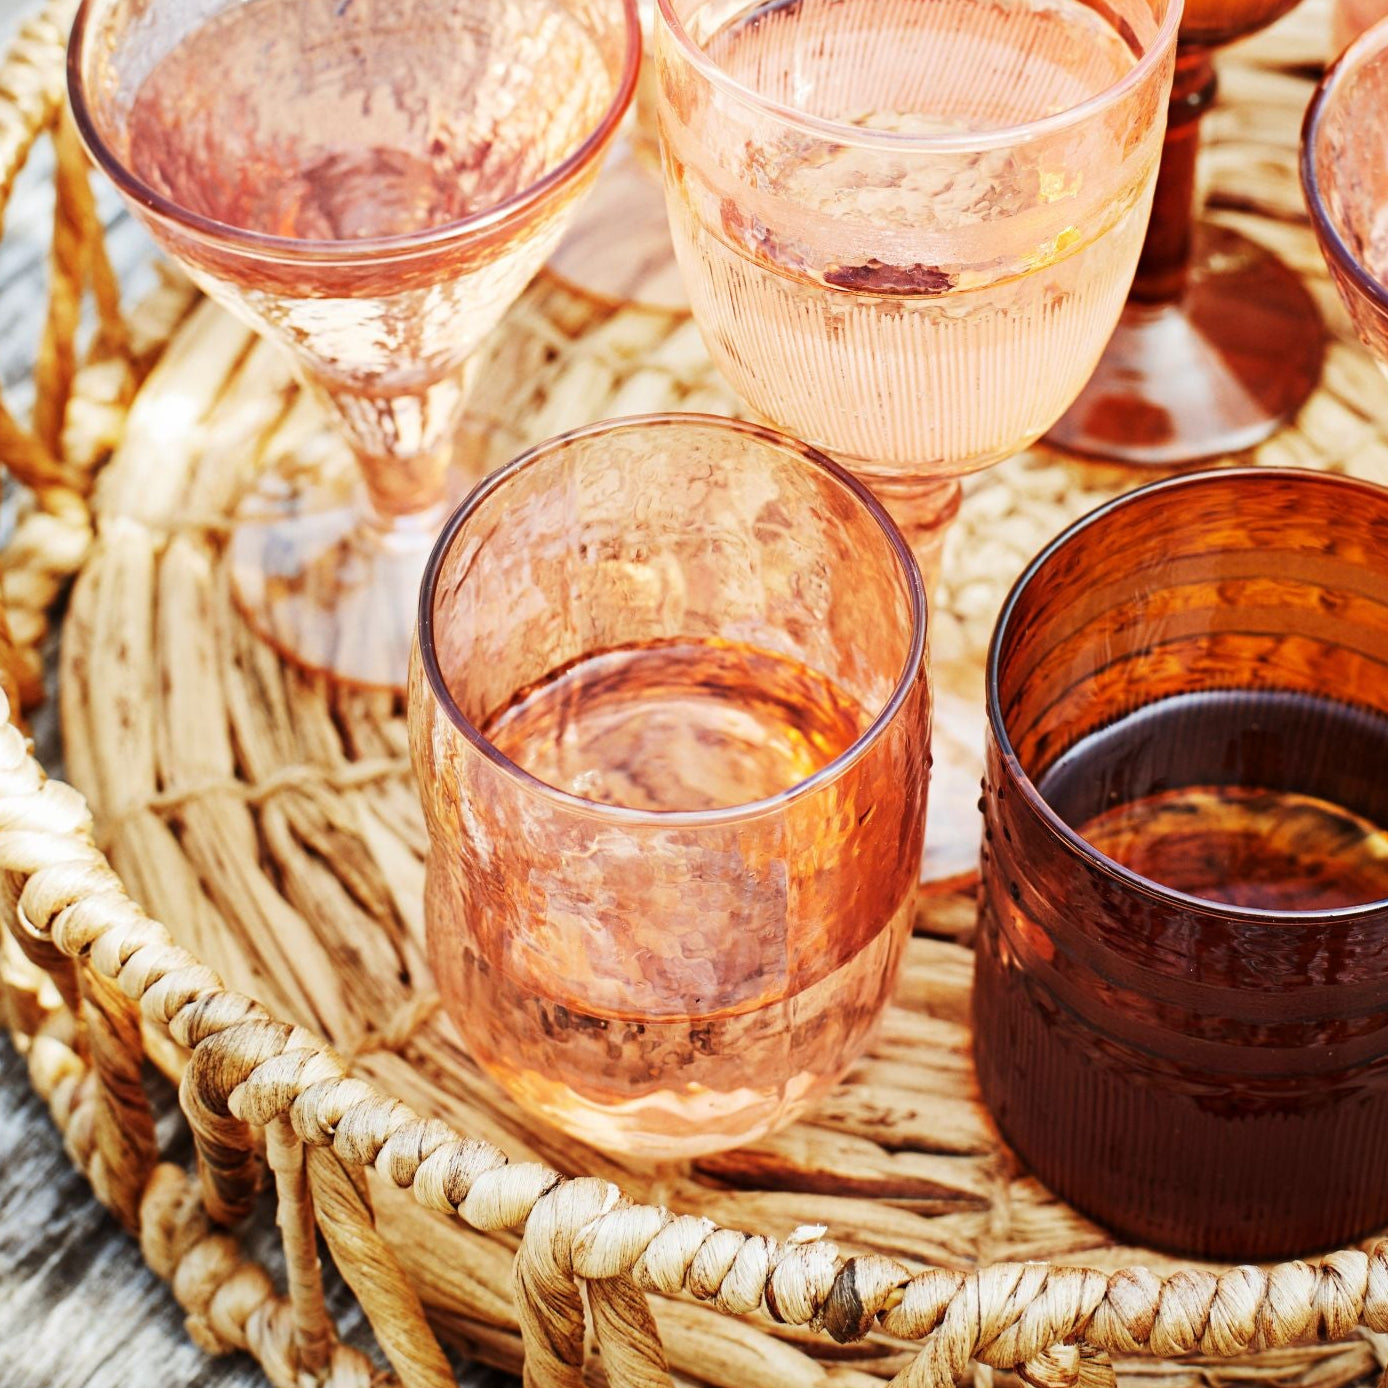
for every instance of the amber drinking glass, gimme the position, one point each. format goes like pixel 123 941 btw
pixel 371 185
pixel 1344 174
pixel 1219 343
pixel 907 231
pixel 1181 1000
pixel 670 718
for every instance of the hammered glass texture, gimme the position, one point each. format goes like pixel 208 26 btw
pixel 663 982
pixel 369 184
pixel 1344 173
pixel 923 307
pixel 424 114
pixel 1194 1076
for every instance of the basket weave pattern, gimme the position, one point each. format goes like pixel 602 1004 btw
pixel 272 824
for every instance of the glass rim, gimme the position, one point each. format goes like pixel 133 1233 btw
pixel 841 132
pixel 299 250
pixel 622 814
pixel 1370 44
pixel 1070 838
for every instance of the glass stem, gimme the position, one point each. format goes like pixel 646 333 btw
pixel 403 441
pixel 400 490
pixel 923 507
pixel 1165 260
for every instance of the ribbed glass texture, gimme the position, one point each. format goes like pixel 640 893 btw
pixel 907 230
pixel 1181 1001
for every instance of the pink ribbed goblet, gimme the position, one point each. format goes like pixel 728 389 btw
pixel 907 230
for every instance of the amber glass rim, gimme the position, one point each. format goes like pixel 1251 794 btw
pixel 367 248
pixel 840 132
pixel 997 728
pixel 622 814
pixel 1370 44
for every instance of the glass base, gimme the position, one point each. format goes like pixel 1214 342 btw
pixel 330 588
pixel 618 247
pixel 1216 372
pixel 924 506
pixel 953 820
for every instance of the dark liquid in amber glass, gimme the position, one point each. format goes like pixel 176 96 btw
pixel 1182 962
pixel 1271 800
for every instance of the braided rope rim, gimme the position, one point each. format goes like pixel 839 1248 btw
pixel 248 1068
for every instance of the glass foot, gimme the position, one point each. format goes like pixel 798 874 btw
pixel 330 589
pixel 953 820
pixel 924 506
pixel 618 246
pixel 1214 373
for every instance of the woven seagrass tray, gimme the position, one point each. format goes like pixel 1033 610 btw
pixel 236 903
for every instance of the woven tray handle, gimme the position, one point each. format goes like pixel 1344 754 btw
pixel 86 1052
pixel 56 454
pixel 122 1149
pixel 120 1127
pixel 82 1034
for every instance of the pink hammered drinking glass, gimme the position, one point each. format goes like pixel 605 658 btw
pixel 670 716
pixel 370 184
pixel 907 229
pixel 1344 174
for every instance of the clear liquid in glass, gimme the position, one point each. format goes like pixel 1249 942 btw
pixel 972 313
pixel 739 1028
pixel 677 725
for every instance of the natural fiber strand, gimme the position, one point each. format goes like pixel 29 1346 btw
pixel 313 1331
